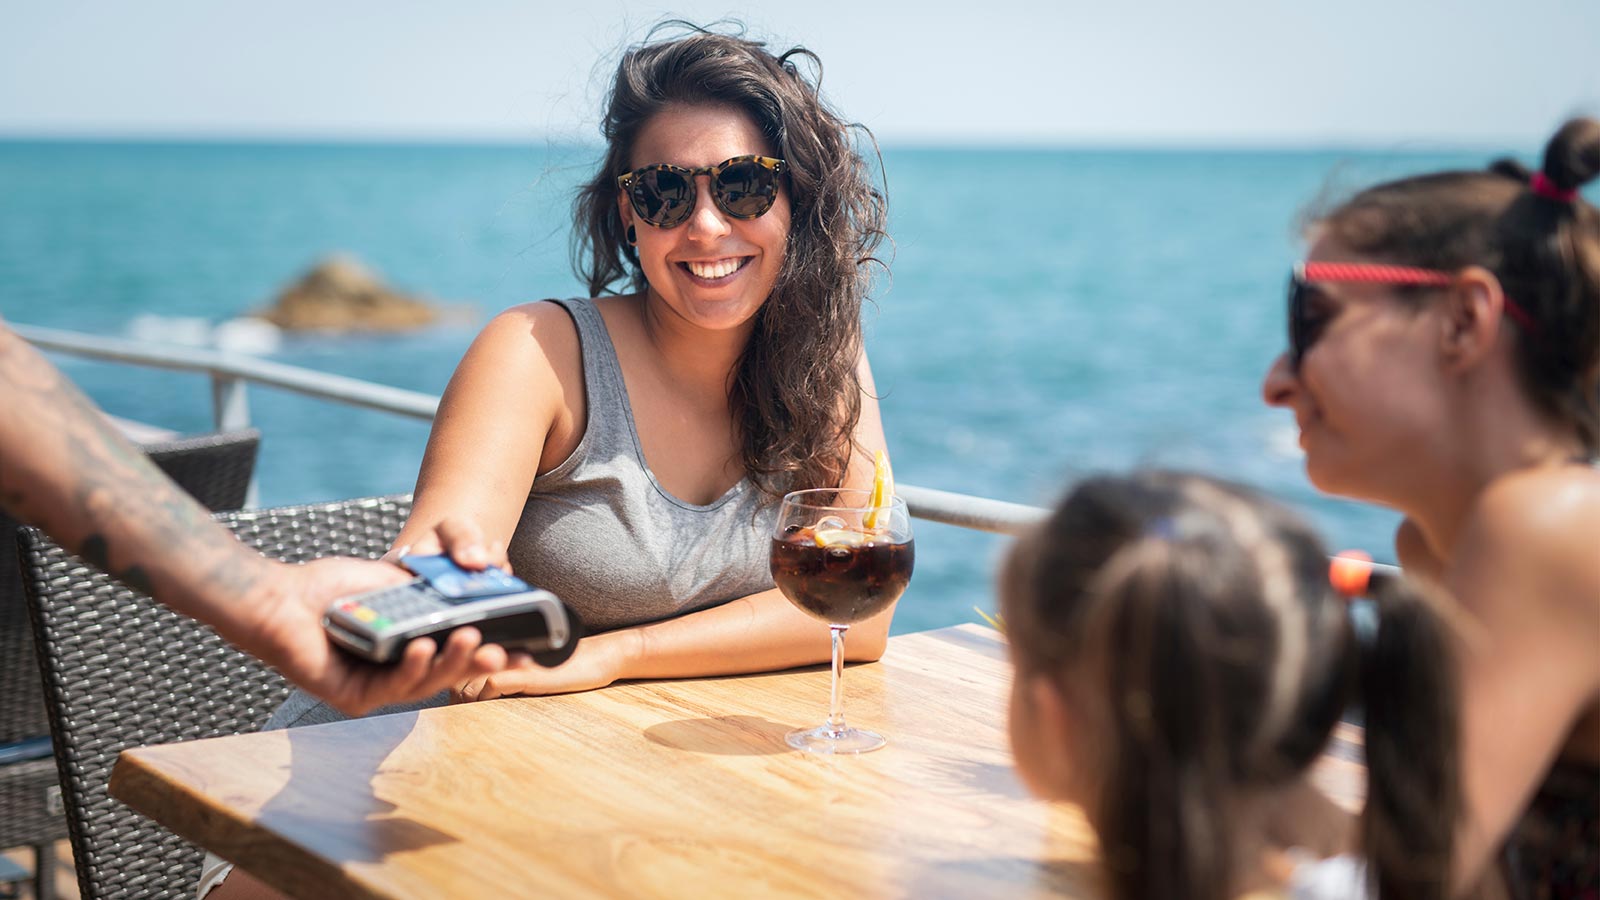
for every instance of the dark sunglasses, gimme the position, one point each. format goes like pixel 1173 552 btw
pixel 1305 329
pixel 743 187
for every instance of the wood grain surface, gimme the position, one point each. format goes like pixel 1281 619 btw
pixel 657 789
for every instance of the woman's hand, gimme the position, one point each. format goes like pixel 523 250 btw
pixel 462 540
pixel 595 664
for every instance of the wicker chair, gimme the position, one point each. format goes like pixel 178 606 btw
pixel 216 469
pixel 122 671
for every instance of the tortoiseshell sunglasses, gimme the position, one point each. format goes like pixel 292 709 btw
pixel 743 187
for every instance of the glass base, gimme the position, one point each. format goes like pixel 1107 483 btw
pixel 823 739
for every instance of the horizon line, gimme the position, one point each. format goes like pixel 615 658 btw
pixel 1399 144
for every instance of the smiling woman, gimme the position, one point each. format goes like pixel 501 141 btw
pixel 627 450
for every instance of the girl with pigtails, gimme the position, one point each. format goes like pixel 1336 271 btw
pixel 1444 360
pixel 1181 661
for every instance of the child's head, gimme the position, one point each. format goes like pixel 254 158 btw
pixel 1178 647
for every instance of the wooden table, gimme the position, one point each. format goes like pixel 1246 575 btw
pixel 658 789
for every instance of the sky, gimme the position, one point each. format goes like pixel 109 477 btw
pixel 1390 73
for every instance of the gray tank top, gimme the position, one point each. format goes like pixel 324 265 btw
pixel 602 533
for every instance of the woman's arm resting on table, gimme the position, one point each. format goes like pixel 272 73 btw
pixel 759 633
pixel 1528 576
pixel 66 469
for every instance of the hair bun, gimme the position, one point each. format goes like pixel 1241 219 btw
pixel 1510 168
pixel 1572 158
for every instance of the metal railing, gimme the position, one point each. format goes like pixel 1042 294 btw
pixel 231 373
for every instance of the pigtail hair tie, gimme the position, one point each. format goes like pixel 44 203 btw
pixel 1350 573
pixel 1544 187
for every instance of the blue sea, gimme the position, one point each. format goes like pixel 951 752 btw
pixel 1049 313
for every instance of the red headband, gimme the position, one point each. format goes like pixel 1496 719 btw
pixel 1544 187
pixel 1379 273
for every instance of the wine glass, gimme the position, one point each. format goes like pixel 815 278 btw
pixel 841 560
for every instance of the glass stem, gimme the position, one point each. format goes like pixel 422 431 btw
pixel 836 704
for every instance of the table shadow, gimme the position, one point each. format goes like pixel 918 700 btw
pixel 986 778
pixel 328 802
pixel 723 735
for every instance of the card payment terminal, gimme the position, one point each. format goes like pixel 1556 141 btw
pixel 377 625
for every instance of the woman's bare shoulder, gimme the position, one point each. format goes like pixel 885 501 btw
pixel 526 362
pixel 1545 524
pixel 530 340
pixel 1550 503
pixel 543 322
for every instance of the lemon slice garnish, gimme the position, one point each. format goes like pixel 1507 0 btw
pixel 838 537
pixel 882 492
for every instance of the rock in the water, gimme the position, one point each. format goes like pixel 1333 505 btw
pixel 341 294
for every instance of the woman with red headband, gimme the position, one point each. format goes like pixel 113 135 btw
pixel 1445 361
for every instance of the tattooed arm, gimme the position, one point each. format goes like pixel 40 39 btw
pixel 64 468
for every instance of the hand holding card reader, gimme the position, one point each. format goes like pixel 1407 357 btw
pixel 377 625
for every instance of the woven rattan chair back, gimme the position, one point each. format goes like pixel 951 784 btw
pixel 122 671
pixel 216 469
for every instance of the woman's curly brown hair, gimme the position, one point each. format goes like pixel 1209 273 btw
pixel 796 388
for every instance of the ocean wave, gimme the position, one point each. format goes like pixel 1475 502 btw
pixel 256 337
pixel 186 331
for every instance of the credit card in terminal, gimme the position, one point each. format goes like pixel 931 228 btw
pixel 457 583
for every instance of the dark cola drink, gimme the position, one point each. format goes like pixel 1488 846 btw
pixel 845 578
